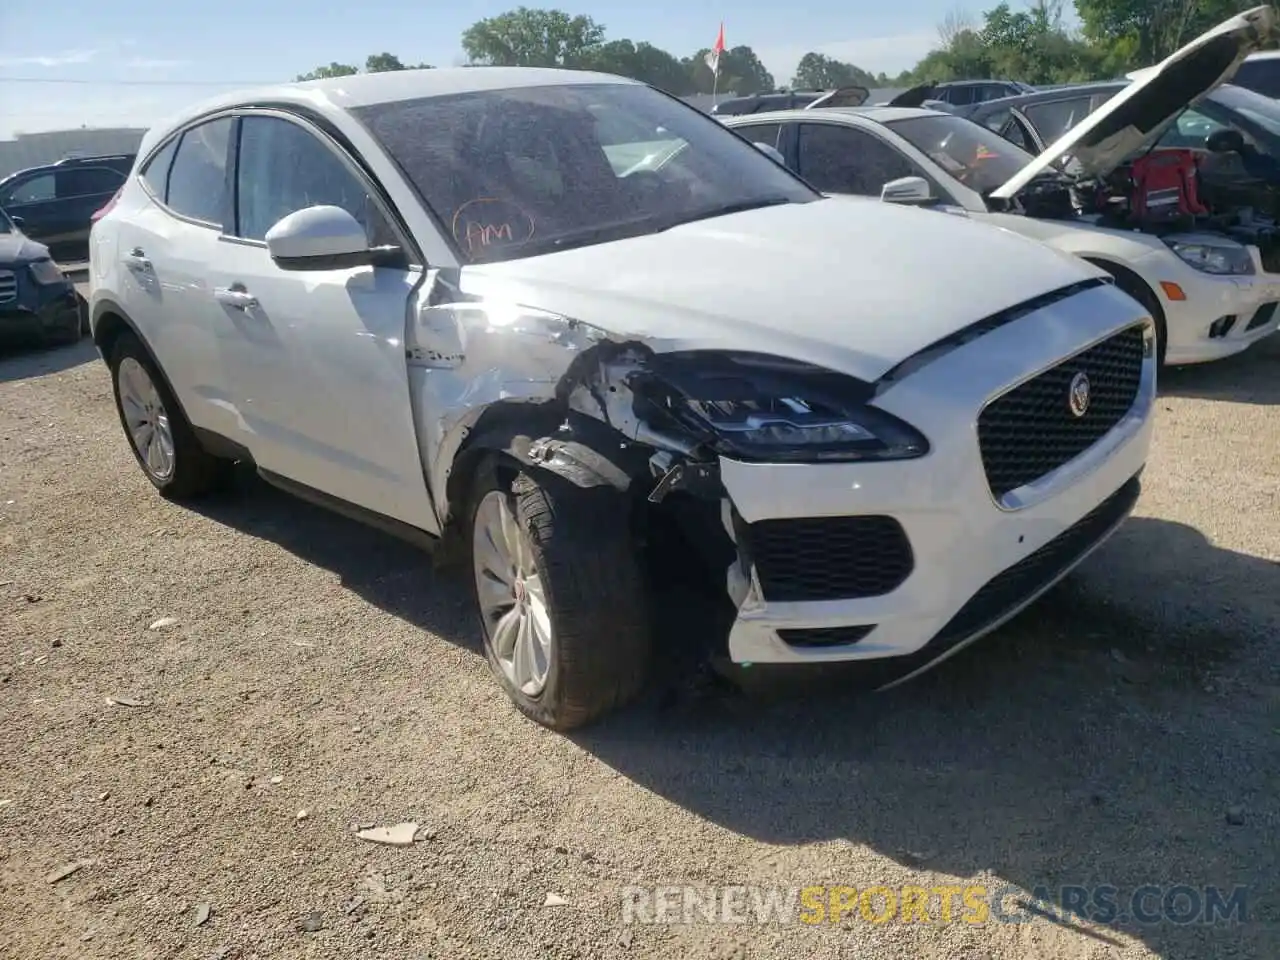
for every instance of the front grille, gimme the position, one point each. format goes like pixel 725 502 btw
pixel 8 286
pixel 1263 315
pixel 1032 430
pixel 829 558
pixel 825 636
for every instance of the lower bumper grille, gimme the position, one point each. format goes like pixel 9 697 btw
pixel 1262 316
pixel 829 558
pixel 1051 419
pixel 825 636
pixel 1013 588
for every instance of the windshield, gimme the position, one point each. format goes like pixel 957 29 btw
pixel 516 172
pixel 1263 111
pixel 979 158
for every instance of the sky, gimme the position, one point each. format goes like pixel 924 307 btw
pixel 93 63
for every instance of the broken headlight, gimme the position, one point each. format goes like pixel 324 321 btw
pixel 761 408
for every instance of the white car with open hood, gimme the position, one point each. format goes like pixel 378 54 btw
pixel 1210 277
pixel 457 304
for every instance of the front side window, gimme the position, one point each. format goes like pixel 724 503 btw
pixel 979 158
pixel 1055 118
pixel 38 189
pixel 516 172
pixel 839 159
pixel 283 167
pixel 198 179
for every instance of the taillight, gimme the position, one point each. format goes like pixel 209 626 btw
pixel 99 214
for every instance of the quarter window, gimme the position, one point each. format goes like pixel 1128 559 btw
pixel 156 172
pixel 198 180
pixel 844 160
pixel 283 168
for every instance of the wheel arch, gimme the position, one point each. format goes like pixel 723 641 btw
pixel 1132 283
pixel 109 323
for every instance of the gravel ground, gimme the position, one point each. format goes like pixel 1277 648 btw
pixel 316 676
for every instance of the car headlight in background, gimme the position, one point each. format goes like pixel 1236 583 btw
pixel 1226 259
pixel 761 408
pixel 46 272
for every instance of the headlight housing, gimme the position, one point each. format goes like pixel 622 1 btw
pixel 760 408
pixel 1223 259
pixel 46 272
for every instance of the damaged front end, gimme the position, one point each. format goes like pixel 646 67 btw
pixel 651 419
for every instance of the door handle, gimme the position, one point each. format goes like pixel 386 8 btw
pixel 137 260
pixel 235 296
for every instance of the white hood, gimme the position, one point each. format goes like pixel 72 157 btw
pixel 855 290
pixel 1138 115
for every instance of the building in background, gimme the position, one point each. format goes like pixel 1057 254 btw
pixel 37 149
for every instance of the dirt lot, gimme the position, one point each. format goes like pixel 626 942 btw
pixel 1125 732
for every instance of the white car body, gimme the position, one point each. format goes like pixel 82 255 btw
pixel 1193 303
pixel 367 387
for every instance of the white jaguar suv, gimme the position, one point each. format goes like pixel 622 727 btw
pixel 448 302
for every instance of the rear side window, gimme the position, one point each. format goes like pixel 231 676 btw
pixel 198 179
pixel 88 181
pixel 156 173
pixel 1261 76
pixel 1055 118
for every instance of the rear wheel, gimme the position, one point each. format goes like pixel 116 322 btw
pixel 561 597
pixel 161 438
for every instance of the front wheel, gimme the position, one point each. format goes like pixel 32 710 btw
pixel 561 596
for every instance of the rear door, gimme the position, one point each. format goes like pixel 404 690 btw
pixel 316 360
pixel 166 249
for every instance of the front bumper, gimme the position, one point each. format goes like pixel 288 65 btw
pixel 975 561
pixel 35 311
pixel 1220 317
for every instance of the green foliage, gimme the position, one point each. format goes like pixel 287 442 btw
pixel 374 63
pixel 1027 40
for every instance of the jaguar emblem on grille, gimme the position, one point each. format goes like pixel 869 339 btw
pixel 1078 395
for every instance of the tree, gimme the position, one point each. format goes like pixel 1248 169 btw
pixel 533 38
pixel 641 61
pixel 817 71
pixel 1138 33
pixel 334 69
pixel 374 63
pixel 741 72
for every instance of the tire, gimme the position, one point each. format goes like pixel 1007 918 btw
pixel 183 469
pixel 583 554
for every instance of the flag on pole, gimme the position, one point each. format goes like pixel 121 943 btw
pixel 713 58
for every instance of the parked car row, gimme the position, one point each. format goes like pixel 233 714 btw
pixel 591 343
pixel 1178 203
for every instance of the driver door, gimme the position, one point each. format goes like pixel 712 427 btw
pixel 316 358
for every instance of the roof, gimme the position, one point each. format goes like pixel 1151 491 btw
pixel 366 89
pixel 1264 55
pixel 875 114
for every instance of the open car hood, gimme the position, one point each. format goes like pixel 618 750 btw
pixel 1138 115
pixel 841 97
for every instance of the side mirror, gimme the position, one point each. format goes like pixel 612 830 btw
pixel 907 190
pixel 321 238
pixel 770 151
pixel 17 222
